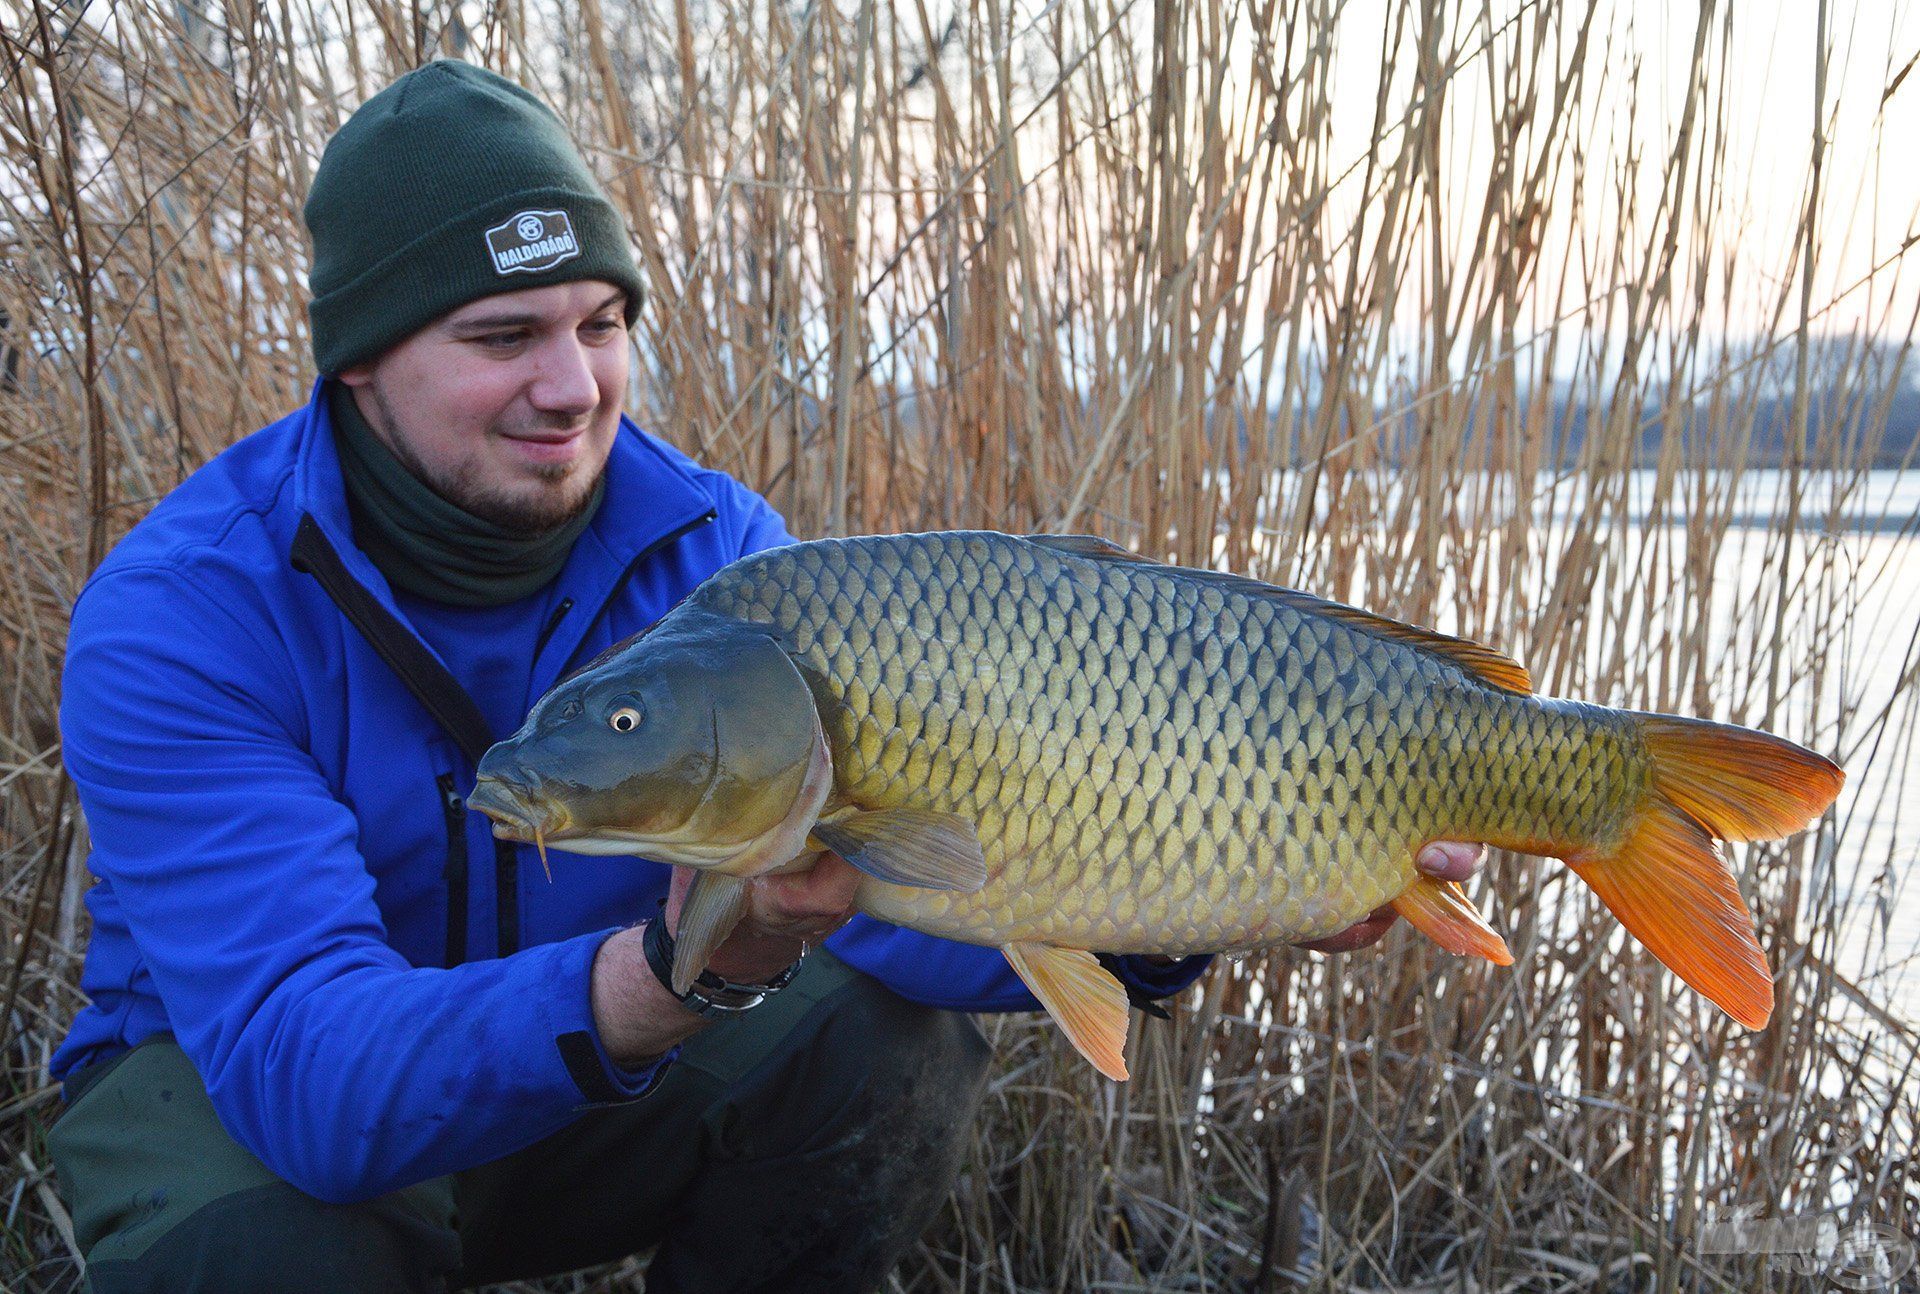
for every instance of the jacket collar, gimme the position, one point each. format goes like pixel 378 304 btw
pixel 649 499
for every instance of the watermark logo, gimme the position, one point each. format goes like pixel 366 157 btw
pixel 532 241
pixel 1850 1255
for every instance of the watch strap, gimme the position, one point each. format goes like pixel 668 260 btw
pixel 710 994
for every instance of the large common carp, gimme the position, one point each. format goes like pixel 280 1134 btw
pixel 1052 746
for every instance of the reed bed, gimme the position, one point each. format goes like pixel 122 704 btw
pixel 1496 343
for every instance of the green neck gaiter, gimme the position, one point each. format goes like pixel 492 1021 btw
pixel 428 546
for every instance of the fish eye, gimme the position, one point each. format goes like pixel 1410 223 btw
pixel 625 719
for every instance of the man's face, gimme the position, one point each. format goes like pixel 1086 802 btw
pixel 507 406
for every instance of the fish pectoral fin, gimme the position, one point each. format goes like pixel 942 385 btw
pixel 712 910
pixel 1440 911
pixel 1082 998
pixel 920 847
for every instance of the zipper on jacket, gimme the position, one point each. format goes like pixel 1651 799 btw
pixel 455 809
pixel 553 623
pixel 506 896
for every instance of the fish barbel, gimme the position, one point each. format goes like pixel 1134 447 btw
pixel 1053 746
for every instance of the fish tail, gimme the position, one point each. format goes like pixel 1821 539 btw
pixel 1738 783
pixel 1666 880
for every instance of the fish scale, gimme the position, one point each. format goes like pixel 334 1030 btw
pixel 1118 730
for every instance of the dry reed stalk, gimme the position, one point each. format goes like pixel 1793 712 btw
pixel 1500 358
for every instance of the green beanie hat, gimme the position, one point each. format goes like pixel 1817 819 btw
pixel 449 185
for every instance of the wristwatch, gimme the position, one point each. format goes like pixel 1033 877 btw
pixel 711 994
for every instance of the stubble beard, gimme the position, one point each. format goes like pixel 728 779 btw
pixel 524 515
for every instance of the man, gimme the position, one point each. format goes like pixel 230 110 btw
pixel 340 1038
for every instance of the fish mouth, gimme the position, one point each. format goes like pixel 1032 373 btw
pixel 523 814
pixel 518 812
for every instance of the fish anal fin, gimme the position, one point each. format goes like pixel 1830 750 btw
pixel 1670 888
pixel 1478 659
pixel 918 847
pixel 1082 998
pixel 712 909
pixel 1440 911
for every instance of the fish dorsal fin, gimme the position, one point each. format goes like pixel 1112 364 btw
pixel 1091 547
pixel 1477 659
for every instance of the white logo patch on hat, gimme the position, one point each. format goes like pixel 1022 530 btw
pixel 532 241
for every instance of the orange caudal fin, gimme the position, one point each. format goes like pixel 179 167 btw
pixel 1440 911
pixel 1669 887
pixel 1666 880
pixel 1737 783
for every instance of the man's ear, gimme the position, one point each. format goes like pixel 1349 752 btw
pixel 358 375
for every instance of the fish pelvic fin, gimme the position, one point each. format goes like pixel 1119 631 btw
pixel 1081 996
pixel 1441 911
pixel 919 847
pixel 1669 886
pixel 711 911
pixel 1737 783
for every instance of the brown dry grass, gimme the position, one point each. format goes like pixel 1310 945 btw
pixel 1112 265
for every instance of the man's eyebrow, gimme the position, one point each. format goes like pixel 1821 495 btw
pixel 480 323
pixel 523 319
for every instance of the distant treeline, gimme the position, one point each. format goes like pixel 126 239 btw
pixel 1886 427
pixel 1862 406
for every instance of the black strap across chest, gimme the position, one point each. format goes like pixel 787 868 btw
pixel 444 699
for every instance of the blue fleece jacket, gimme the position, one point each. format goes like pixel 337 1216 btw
pixel 273 753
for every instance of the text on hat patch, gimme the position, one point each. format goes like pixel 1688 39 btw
pixel 532 241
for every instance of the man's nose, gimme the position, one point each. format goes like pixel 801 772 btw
pixel 565 383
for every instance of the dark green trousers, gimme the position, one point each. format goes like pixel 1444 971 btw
pixel 799 1147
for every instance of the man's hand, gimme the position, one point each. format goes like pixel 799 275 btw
pixel 639 1019
pixel 784 914
pixel 1445 860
